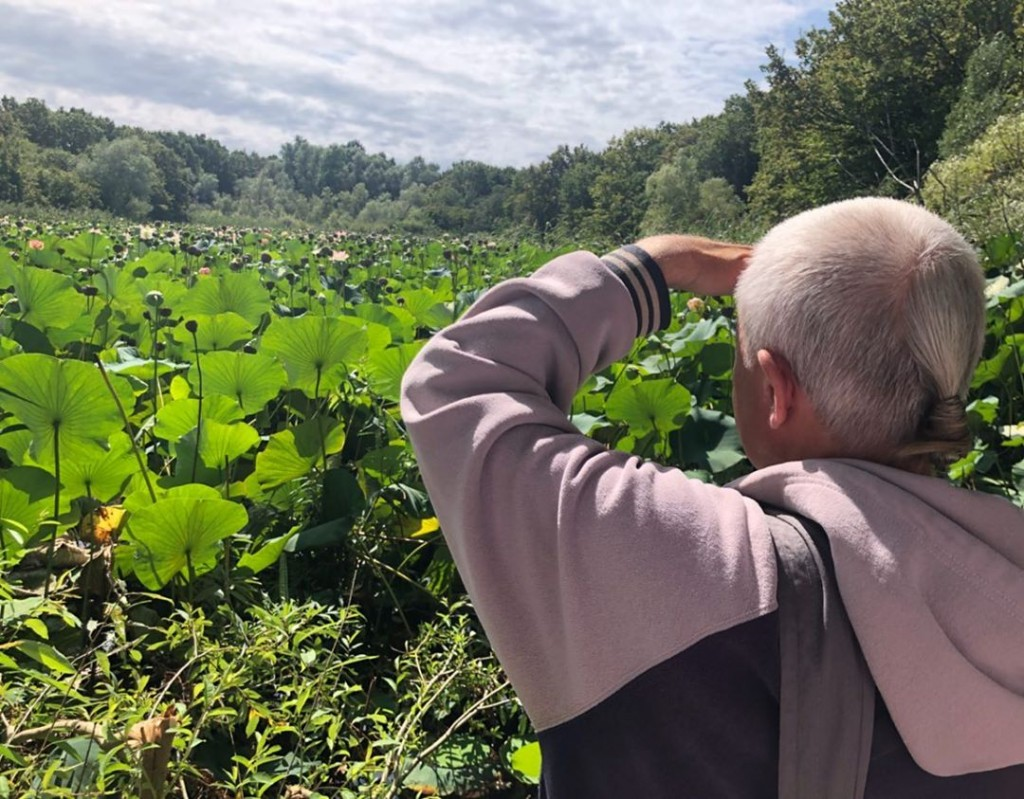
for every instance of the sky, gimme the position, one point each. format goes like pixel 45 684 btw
pixel 448 80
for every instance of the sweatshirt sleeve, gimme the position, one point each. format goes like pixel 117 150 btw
pixel 586 566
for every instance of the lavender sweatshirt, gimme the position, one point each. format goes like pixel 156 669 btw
pixel 589 568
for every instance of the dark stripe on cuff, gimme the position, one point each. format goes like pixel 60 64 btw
pixel 664 308
pixel 629 287
pixel 620 256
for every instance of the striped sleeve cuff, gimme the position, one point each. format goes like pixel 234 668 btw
pixel 642 277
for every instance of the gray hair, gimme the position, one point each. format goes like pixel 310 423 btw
pixel 878 306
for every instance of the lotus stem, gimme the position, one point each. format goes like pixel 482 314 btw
pixel 192 326
pixel 56 508
pixel 127 426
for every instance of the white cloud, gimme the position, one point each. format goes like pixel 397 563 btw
pixel 448 79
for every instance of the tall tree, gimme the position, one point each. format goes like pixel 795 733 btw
pixel 124 176
pixel 864 108
pixel 618 190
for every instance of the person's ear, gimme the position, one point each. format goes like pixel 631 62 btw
pixel 781 386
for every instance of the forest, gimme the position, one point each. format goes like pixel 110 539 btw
pixel 221 574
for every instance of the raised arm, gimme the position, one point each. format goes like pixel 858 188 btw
pixel 586 566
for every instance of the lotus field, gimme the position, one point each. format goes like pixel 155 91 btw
pixel 220 574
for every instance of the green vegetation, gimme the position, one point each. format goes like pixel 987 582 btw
pixel 220 574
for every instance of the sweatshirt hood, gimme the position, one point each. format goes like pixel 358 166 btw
pixel 932 577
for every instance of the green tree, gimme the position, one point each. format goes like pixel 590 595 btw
pixel 123 174
pixel 981 189
pixel 618 189
pixel 864 108
pixel 993 86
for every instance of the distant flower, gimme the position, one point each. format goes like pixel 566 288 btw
pixel 146 232
pixel 35 244
pixel 204 270
pixel 339 255
pixel 695 304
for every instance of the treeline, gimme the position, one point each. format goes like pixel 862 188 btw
pixel 894 97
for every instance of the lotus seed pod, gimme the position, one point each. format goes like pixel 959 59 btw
pixel 321 298
pixel 192 326
pixel 154 299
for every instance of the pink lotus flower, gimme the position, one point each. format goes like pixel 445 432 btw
pixel 339 255
pixel 35 244
pixel 695 304
pixel 204 270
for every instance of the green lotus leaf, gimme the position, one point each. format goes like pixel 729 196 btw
pixel 164 536
pixel 377 336
pixel 87 247
pixel 711 441
pixel 251 379
pixel 80 330
pixel 426 308
pixel 46 298
pixel 8 347
pixel 179 417
pixel 28 337
pixel 525 762
pixel 294 452
pixel 128 361
pixel 214 332
pixel 315 350
pixel 267 554
pixel 15 443
pixel 156 261
pixel 241 293
pixel 651 405
pixel 115 283
pixel 97 473
pixel 221 443
pixel 689 339
pixel 141 499
pixel 396 319
pixel 26 499
pixel 384 368
pixel 60 401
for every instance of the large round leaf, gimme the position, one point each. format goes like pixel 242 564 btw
pixel 25 499
pixel 385 368
pixel 177 418
pixel 315 350
pixel 166 535
pixel 46 298
pixel 57 399
pixel 100 474
pixel 651 405
pixel 711 441
pixel 87 247
pixel 221 443
pixel 214 332
pixel 241 293
pixel 426 308
pixel 293 453
pixel 250 379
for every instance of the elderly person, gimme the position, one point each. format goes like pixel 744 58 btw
pixel 635 610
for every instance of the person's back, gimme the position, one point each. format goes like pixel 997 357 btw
pixel 634 609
